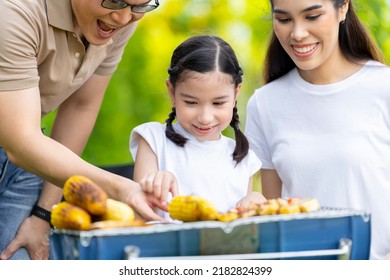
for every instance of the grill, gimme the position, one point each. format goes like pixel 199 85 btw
pixel 329 233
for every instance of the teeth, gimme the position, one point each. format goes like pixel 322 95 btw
pixel 111 26
pixel 106 28
pixel 305 49
pixel 105 31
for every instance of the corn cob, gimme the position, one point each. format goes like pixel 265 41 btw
pixel 184 208
pixel 68 216
pixel 289 209
pixel 191 208
pixel 293 205
pixel 228 216
pixel 207 210
pixel 309 204
pixel 250 211
pixel 117 224
pixel 270 207
pixel 83 192
pixel 118 211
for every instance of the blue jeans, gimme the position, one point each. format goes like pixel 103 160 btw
pixel 19 191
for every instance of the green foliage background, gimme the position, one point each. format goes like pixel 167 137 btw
pixel 137 92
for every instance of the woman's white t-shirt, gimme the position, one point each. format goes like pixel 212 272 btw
pixel 330 142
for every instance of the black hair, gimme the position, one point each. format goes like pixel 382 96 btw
pixel 205 54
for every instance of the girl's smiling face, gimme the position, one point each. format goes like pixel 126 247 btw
pixel 99 24
pixel 204 103
pixel 308 31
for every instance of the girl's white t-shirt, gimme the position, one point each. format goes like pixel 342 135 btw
pixel 204 169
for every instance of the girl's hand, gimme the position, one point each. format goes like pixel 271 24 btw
pixel 160 184
pixel 251 197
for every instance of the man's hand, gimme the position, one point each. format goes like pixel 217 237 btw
pixel 33 234
pixel 143 204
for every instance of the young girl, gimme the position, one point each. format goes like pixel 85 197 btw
pixel 321 124
pixel 191 156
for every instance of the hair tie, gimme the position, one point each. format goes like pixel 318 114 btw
pixel 173 70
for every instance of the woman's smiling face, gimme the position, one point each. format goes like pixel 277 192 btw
pixel 98 24
pixel 308 30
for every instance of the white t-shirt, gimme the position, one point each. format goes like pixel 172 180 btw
pixel 205 169
pixel 330 142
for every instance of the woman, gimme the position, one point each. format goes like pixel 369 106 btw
pixel 56 54
pixel 321 124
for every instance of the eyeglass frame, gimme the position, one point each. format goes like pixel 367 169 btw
pixel 133 6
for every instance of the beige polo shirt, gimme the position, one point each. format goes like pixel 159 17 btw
pixel 38 47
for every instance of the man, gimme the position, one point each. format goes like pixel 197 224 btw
pixel 56 54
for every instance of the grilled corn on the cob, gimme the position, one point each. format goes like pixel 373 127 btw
pixel 118 211
pixel 68 216
pixel 207 210
pixel 228 216
pixel 191 208
pixel 83 192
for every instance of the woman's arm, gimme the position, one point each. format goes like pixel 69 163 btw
pixel 271 183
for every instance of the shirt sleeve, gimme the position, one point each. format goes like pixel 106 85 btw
pixel 254 162
pixel 152 132
pixel 18 48
pixel 254 131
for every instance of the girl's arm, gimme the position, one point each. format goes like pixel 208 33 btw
pixel 145 161
pixel 152 180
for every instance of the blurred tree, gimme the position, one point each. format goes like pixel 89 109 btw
pixel 137 92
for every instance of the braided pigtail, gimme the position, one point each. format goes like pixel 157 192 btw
pixel 171 134
pixel 242 144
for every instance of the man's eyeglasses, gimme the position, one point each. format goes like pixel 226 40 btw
pixel 137 8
